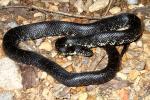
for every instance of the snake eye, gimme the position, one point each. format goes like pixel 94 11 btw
pixel 60 43
pixel 62 46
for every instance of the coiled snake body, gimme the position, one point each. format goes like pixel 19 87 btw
pixel 79 38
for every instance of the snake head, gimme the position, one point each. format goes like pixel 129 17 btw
pixel 63 46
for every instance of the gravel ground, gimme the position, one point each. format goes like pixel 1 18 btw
pixel 23 82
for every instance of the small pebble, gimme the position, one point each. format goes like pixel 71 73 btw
pixel 83 96
pixel 44 75
pixel 69 68
pixel 6 96
pixel 91 97
pixel 141 65
pixel 147 24
pixel 88 4
pixel 39 14
pixel 79 5
pixel 132 2
pixel 133 45
pixel 38 41
pixel 50 79
pixel 66 64
pixel 53 7
pixel 98 4
pixel 126 69
pixel 46 46
pixel 53 53
pixel 99 97
pixel 133 74
pixel 139 43
pixel 124 94
pixel 4 2
pixel 115 10
pixel 12 24
pixel 147 97
pixel 45 92
pixel 69 58
pixel 122 76
pixel 133 6
pixel 21 20
pixel 136 83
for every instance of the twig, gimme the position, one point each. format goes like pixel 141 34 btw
pixel 40 9
pixel 109 5
pixel 46 11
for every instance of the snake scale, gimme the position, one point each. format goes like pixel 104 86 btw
pixel 77 39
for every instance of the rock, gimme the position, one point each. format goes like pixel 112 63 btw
pixel 83 96
pixel 53 8
pixel 98 4
pixel 44 75
pixel 38 41
pixel 133 45
pixel 39 14
pixel 53 53
pixel 132 2
pixel 4 2
pixel 122 75
pixel 6 96
pixel 66 64
pixel 69 68
pixel 60 91
pixel 133 75
pixel 147 24
pixel 88 4
pixel 115 10
pixel 133 6
pixel 22 20
pixel 91 97
pixel 79 5
pixel 45 92
pixel 126 69
pixel 69 58
pixel 29 78
pixel 116 84
pixel 139 44
pixel 140 66
pixel 136 84
pixel 147 97
pixel 10 78
pixel 124 94
pixel 12 24
pixel 50 79
pixel 46 46
pixel 99 97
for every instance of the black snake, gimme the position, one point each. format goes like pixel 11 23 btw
pixel 78 38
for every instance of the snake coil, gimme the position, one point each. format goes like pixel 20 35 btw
pixel 78 38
